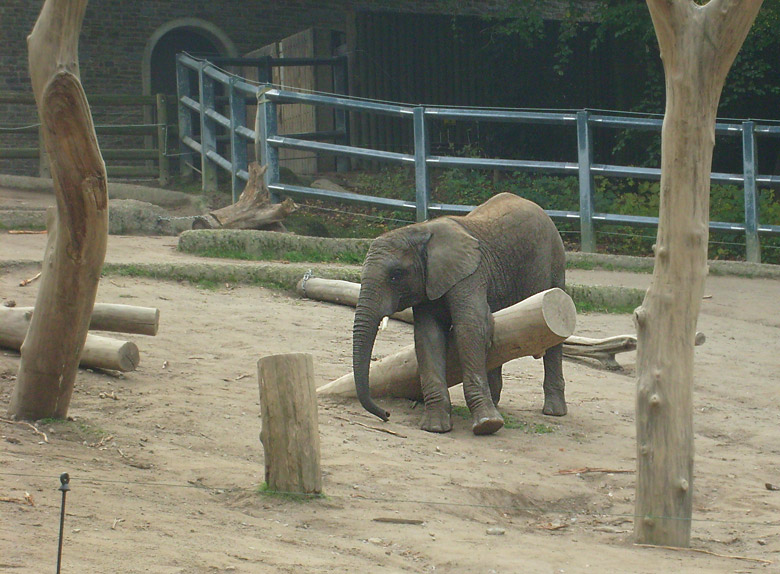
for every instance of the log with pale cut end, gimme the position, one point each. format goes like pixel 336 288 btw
pixel 98 352
pixel 290 431
pixel 341 292
pixel 116 318
pixel 527 328
pixel 109 354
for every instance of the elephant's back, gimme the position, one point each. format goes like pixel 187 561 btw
pixel 503 203
pixel 521 246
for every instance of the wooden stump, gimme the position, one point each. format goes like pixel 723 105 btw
pixel 290 431
pixel 253 210
pixel 527 328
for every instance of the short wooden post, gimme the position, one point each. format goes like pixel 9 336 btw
pixel 162 140
pixel 290 431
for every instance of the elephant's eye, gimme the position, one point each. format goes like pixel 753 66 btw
pixel 396 274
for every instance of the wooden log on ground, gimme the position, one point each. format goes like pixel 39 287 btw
pixel 98 352
pixel 115 318
pixel 527 328
pixel 604 350
pixel 253 210
pixel 341 292
pixel 290 431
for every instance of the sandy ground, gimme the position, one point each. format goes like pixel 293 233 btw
pixel 165 461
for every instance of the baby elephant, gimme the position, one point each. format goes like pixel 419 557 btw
pixel 455 272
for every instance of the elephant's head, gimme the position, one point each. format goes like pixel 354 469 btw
pixel 404 268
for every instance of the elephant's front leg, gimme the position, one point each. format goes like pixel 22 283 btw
pixel 430 343
pixel 554 384
pixel 473 334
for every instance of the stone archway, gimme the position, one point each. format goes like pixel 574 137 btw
pixel 193 35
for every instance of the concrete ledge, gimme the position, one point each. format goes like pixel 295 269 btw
pixel 166 198
pixel 268 243
pixel 575 259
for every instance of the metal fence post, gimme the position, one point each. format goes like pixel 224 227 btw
pixel 208 130
pixel 340 86
pixel 422 177
pixel 752 244
pixel 585 159
pixel 238 158
pixel 266 127
pixel 183 88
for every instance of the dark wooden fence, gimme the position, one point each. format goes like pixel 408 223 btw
pixel 150 160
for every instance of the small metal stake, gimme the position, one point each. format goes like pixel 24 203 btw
pixel 64 488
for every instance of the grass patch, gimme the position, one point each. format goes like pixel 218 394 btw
pixel 265 490
pixel 78 429
pixel 203 280
pixel 591 307
pixel 510 421
pixel 298 256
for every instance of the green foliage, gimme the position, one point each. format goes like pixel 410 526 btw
pixel 612 195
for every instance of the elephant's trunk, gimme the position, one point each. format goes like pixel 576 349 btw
pixel 368 315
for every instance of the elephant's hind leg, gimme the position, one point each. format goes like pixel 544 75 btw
pixel 496 383
pixel 554 384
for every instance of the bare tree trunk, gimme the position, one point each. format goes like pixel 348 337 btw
pixel 253 210
pixel 75 253
pixel 698 45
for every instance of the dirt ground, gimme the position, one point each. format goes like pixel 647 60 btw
pixel 165 461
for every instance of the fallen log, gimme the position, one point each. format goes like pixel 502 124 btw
pixel 117 318
pixel 527 328
pixel 341 292
pixel 603 350
pixel 98 352
pixel 253 210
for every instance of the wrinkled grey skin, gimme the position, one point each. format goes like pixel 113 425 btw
pixel 455 272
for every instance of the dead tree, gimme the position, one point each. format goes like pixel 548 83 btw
pixel 698 45
pixel 253 210
pixel 77 243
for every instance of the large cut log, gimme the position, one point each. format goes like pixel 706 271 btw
pixel 115 318
pixel 604 350
pixel 527 328
pixel 98 352
pixel 253 210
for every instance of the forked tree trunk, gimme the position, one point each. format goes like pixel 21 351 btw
pixel 698 45
pixel 75 252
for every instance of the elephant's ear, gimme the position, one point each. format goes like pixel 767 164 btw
pixel 453 254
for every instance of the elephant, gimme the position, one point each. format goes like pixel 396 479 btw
pixel 454 272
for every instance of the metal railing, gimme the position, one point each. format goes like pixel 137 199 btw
pixel 268 141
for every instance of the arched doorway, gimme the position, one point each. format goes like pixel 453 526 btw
pixel 193 35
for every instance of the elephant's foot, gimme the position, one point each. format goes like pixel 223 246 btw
pixel 486 421
pixel 555 405
pixel 436 420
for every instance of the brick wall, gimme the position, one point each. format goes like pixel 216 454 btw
pixel 115 34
